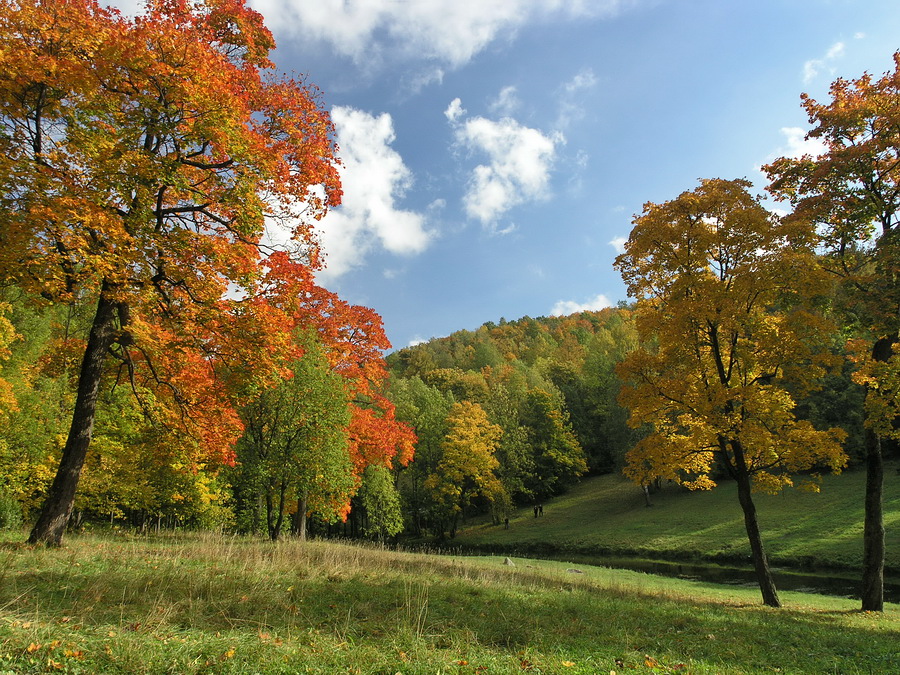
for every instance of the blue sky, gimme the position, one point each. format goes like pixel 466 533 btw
pixel 495 151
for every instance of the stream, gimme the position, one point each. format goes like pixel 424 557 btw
pixel 837 583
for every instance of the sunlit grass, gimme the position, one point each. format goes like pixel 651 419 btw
pixel 218 604
pixel 608 514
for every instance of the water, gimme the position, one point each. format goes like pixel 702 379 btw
pixel 821 582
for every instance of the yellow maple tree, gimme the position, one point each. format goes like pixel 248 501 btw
pixel 721 284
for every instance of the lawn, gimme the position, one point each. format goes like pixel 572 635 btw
pixel 607 514
pixel 205 603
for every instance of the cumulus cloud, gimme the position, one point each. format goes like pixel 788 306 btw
pixel 519 161
pixel 813 67
pixel 798 145
pixel 374 177
pixel 446 31
pixel 618 243
pixel 566 307
pixel 454 111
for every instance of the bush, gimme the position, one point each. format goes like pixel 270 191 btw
pixel 10 512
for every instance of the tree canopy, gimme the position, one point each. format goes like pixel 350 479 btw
pixel 726 340
pixel 141 161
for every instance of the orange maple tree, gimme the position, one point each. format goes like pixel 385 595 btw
pixel 139 162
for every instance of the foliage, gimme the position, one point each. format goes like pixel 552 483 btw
pixel 140 160
pixel 381 502
pixel 295 448
pixel 718 280
pixel 467 465
pixel 558 457
pixel 851 194
pixel 549 383
pixel 723 290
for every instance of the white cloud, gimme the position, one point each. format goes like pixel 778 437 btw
pixel 454 111
pixel 447 31
pixel 618 243
pixel 518 167
pixel 566 307
pixel 584 79
pixel 798 145
pixel 506 102
pixel 813 67
pixel 571 108
pixel 373 177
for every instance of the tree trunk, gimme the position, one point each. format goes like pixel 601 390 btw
pixel 760 562
pixel 873 530
pixel 276 514
pixel 301 517
pixel 57 508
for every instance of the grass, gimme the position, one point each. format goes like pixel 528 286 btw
pixel 607 514
pixel 218 604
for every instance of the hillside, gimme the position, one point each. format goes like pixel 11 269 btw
pixel 607 514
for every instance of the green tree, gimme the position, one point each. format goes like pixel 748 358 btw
pixel 558 458
pixel 426 409
pixel 381 501
pixel 294 451
pixel 851 194
pixel 718 282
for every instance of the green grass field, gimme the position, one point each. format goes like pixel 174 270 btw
pixel 216 604
pixel 607 514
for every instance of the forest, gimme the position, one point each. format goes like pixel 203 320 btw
pixel 163 364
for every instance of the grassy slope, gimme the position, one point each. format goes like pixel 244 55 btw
pixel 607 514
pixel 206 604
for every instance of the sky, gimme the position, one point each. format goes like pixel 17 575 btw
pixel 495 151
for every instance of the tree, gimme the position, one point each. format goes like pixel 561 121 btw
pixel 718 282
pixel 295 448
pixel 139 160
pixel 558 458
pixel 426 409
pixel 381 501
pixel 467 465
pixel 851 193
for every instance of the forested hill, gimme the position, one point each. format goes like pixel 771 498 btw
pixel 570 358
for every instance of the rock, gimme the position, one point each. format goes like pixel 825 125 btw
pixel 509 562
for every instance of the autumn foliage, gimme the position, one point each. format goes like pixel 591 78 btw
pixel 729 338
pixel 158 169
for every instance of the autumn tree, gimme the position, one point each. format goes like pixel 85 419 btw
pixel 851 193
pixel 468 463
pixel 719 282
pixel 139 160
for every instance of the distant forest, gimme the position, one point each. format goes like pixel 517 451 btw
pixel 550 385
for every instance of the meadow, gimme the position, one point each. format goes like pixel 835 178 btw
pixel 607 515
pixel 212 603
